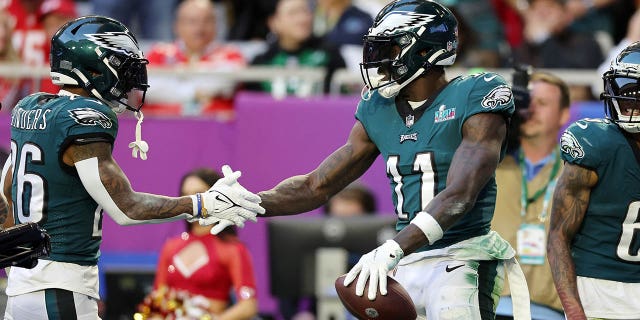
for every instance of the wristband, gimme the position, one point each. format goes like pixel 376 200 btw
pixel 197 205
pixel 429 226
pixel 202 209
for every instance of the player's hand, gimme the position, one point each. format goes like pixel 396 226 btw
pixel 374 266
pixel 228 203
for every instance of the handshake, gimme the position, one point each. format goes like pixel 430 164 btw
pixel 226 203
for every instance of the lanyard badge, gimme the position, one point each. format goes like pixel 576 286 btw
pixel 532 237
pixel 532 243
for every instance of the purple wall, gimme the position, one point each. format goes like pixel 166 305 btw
pixel 270 141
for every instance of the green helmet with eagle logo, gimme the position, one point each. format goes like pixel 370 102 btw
pixel 408 38
pixel 102 56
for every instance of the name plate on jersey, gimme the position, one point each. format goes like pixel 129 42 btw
pixel 532 243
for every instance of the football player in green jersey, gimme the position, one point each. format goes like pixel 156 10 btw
pixel 62 173
pixel 593 236
pixel 441 140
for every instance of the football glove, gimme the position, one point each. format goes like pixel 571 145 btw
pixel 22 245
pixel 374 266
pixel 228 203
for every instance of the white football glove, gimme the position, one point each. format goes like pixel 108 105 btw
pixel 228 203
pixel 375 265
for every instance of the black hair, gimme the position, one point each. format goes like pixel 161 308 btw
pixel 209 176
pixel 358 193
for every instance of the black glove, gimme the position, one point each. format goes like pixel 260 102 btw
pixel 22 245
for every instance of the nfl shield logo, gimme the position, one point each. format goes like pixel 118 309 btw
pixel 409 120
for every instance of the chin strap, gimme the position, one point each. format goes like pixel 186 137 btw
pixel 139 145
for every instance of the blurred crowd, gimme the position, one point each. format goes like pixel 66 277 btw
pixel 228 36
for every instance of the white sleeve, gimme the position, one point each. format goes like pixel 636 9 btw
pixel 90 177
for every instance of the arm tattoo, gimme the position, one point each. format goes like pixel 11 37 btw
pixel 4 211
pixel 303 193
pixel 570 201
pixel 136 205
pixel 5 200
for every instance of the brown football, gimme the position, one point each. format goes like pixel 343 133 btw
pixel 396 305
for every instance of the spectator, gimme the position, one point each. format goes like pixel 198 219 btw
pixel 339 22
pixel 550 43
pixel 30 37
pixel 52 14
pixel 508 14
pixel 9 88
pixel 248 19
pixel 195 46
pixel 526 179
pixel 354 200
pixel 294 46
pixel 151 20
pixel 592 16
pixel 632 35
pixel 487 39
pixel 202 264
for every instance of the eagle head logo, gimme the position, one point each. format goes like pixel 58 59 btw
pixel 500 95
pixel 90 117
pixel 570 145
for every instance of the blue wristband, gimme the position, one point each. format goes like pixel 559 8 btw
pixel 199 202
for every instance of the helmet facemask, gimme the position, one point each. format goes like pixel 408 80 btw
pixel 408 38
pixel 127 74
pixel 380 62
pixel 622 99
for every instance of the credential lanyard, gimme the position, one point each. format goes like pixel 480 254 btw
pixel 547 189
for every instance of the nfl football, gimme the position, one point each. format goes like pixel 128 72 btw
pixel 396 305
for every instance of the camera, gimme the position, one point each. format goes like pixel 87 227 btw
pixel 521 99
pixel 520 86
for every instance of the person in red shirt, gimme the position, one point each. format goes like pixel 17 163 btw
pixel 208 265
pixel 9 87
pixel 31 38
pixel 196 47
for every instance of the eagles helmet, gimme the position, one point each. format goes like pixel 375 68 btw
pixel 407 39
pixel 102 56
pixel 622 89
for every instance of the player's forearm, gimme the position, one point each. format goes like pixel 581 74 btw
pixel 110 188
pixel 471 168
pixel 292 196
pixel 4 211
pixel 144 206
pixel 564 275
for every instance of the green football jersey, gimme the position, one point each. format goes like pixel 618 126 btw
pixel 607 243
pixel 44 189
pixel 418 146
